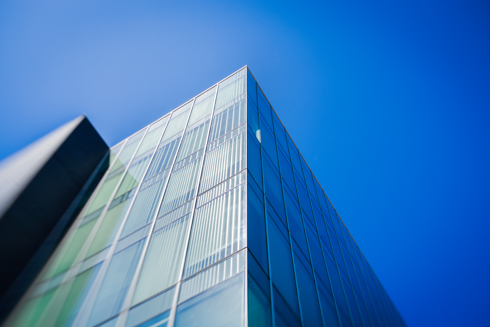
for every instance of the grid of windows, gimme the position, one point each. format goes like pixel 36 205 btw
pixel 211 217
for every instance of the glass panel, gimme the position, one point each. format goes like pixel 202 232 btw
pixel 103 195
pixel 256 229
pixel 280 133
pixel 108 228
pixel 225 158
pixel 349 294
pixel 164 156
pixel 253 118
pixel 254 164
pixel 296 224
pixel 128 151
pixel 251 87
pixel 307 290
pixel 116 283
pixel 161 321
pixel 177 122
pixel 282 267
pixel 134 174
pixel 212 276
pixel 337 288
pixel 152 137
pixel 273 190
pixel 163 260
pixel 269 144
pixel 181 187
pixel 228 118
pixel 203 106
pixel 264 109
pixel 218 230
pixel 123 198
pixel 283 315
pixel 150 308
pixel 114 151
pixel 308 178
pixel 67 254
pixel 329 310
pixel 194 139
pixel 148 198
pixel 303 198
pixel 221 188
pixel 222 305
pixel 259 305
pixel 230 88
pixel 71 304
pixel 293 152
pixel 287 173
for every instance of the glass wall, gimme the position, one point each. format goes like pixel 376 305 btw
pixel 304 267
pixel 208 217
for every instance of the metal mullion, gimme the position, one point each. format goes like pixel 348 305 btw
pixel 121 320
pixel 87 305
pixel 173 310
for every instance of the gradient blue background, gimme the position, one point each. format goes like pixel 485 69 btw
pixel 388 101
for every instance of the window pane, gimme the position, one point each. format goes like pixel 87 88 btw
pixel 212 276
pixel 256 229
pixel 269 144
pixel 194 139
pixel 152 137
pixel 307 290
pixel 254 161
pixel 222 305
pixel 128 151
pixel 67 254
pixel 181 187
pixel 151 308
pixel 225 158
pixel 282 267
pixel 163 260
pixel 287 173
pixel 296 224
pixel 264 109
pixel 218 230
pixel 259 305
pixel 228 118
pixel 231 88
pixel 116 283
pixel 273 190
pixel 251 87
pixel 177 123
pixel 253 118
pixel 202 106
pixel 280 133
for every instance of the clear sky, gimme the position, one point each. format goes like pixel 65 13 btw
pixel 389 102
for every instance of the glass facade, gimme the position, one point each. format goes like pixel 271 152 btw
pixel 209 217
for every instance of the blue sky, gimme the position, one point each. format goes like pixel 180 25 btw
pixel 389 103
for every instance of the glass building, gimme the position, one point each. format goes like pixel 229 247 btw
pixel 210 216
